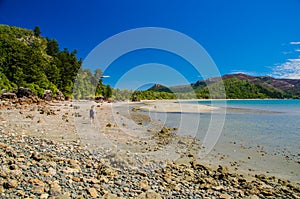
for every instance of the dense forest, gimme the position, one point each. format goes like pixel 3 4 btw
pixel 237 86
pixel 29 60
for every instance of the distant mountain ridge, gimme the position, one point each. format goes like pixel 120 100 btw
pixel 240 86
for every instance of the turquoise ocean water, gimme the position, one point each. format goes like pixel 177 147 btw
pixel 273 124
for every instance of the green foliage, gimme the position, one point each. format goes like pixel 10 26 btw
pixel 152 95
pixel 234 89
pixel 242 89
pixel 27 59
pixel 5 84
pixel 122 95
pixel 30 60
pixel 52 47
pixel 37 31
pixel 89 85
pixel 237 89
pixel 36 89
pixel 68 67
pixel 108 92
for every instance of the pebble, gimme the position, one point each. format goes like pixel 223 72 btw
pixel 109 196
pixel 55 189
pixel 93 192
pixel 44 196
pixel 144 185
pixel 10 184
pixel 35 167
pixel 149 195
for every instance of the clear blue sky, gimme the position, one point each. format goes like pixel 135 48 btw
pixel 257 37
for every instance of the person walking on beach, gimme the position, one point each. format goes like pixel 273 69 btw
pixel 92 115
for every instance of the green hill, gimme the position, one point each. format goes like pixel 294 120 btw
pixel 29 60
pixel 237 86
pixel 238 89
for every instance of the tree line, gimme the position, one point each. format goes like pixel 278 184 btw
pixel 29 60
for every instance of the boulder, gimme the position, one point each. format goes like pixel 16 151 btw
pixel 67 98
pixel 9 96
pixel 24 92
pixel 60 96
pixel 48 96
pixel 25 100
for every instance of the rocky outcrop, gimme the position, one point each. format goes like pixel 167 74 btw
pixel 24 92
pixel 8 96
pixel 48 95
pixel 60 96
pixel 21 96
pixel 25 96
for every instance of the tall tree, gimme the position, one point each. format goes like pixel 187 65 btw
pixel 108 92
pixel 37 31
pixel 52 47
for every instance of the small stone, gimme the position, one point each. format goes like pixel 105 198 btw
pixel 176 188
pixel 55 189
pixel 20 193
pixel 40 121
pixel 71 170
pixel 225 196
pixel 39 188
pixel 93 192
pixel 104 179
pixel 16 173
pixel 126 189
pixel 76 179
pixel 190 155
pixel 66 195
pixel 144 185
pixel 52 164
pixel 73 162
pixel 36 156
pixel 44 196
pixel 109 196
pixel 20 159
pixel 149 195
pixel 35 181
pixel 252 197
pixel 2 189
pixel 10 184
pixel 267 192
pixel 51 171
pixel 223 169
pixel 95 181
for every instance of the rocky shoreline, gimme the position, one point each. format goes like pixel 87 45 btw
pixel 43 156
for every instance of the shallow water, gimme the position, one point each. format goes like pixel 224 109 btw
pixel 273 124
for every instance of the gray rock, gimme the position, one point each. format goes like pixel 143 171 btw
pixel 149 195
pixel 48 96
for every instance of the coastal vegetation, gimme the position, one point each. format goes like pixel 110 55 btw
pixel 237 86
pixel 30 60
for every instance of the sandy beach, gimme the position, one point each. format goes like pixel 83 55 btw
pixel 175 106
pixel 139 157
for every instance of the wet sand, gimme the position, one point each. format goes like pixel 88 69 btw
pixel 175 106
